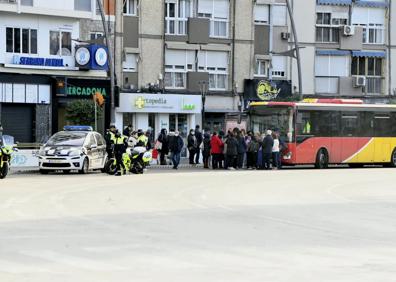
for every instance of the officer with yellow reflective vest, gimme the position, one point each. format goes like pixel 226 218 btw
pixel 108 138
pixel 142 139
pixel 120 143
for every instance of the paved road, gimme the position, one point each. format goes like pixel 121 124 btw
pixel 238 226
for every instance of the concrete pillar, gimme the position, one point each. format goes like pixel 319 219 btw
pixel 163 122
pixel 119 121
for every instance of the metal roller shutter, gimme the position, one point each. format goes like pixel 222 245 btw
pixel 17 121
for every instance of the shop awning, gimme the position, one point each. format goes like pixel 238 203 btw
pixel 372 4
pixel 371 54
pixel 335 2
pixel 333 52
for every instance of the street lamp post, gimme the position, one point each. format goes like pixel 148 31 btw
pixel 111 62
pixel 297 48
pixel 203 87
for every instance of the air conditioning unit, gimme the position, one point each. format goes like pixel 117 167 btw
pixel 359 81
pixel 285 35
pixel 349 30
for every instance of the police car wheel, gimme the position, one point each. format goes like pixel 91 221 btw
pixel 85 167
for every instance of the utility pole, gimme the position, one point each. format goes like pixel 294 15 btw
pixel 110 58
pixel 297 48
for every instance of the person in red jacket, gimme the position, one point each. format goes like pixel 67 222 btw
pixel 216 150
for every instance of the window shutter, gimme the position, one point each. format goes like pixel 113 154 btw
pixel 278 63
pixel 205 6
pixel 261 13
pixel 360 15
pixel 221 9
pixel 130 61
pixel 217 59
pixel 279 15
pixel 175 57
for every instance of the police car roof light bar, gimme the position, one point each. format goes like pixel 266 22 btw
pixel 77 128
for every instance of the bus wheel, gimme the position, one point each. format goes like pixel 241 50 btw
pixel 393 159
pixel 322 159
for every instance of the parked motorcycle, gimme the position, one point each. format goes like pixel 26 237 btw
pixel 135 161
pixel 6 149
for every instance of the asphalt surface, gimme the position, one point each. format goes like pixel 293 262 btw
pixel 196 225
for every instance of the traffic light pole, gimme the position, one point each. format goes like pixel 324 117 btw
pixel 110 59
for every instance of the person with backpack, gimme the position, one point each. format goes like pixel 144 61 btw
pixel 206 150
pixel 231 144
pixel 162 146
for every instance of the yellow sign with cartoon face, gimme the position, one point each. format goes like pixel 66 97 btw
pixel 265 91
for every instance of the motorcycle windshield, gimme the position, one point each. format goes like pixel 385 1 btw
pixel 7 140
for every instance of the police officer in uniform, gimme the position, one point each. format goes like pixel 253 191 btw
pixel 142 139
pixel 109 139
pixel 120 143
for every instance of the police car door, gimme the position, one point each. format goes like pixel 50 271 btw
pixel 101 150
pixel 92 151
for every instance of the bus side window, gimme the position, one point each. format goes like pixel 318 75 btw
pixel 349 124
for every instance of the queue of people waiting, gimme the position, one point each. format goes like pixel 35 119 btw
pixel 234 150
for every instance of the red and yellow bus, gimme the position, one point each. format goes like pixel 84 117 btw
pixel 330 131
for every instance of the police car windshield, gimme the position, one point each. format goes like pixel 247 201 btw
pixel 67 139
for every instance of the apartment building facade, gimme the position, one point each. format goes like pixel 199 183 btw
pixel 40 68
pixel 183 48
pixel 346 48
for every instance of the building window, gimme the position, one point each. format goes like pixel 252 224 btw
pixel 328 27
pixel 177 64
pixel 60 43
pixel 372 20
pixel 82 5
pixel 95 35
pixel 27 2
pixel 261 68
pixel 130 63
pixel 328 70
pixel 261 14
pixel 279 15
pixel 217 11
pixel 279 65
pixel 176 16
pixel 21 40
pixel 130 7
pixel 216 64
pixel 371 68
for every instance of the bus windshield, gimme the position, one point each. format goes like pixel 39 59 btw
pixel 273 118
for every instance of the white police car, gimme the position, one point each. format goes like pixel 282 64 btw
pixel 75 148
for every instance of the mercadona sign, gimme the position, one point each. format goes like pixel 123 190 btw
pixel 85 91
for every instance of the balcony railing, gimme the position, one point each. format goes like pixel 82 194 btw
pixel 373 85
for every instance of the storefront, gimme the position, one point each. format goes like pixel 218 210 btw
pixel 73 89
pixel 216 110
pixel 25 111
pixel 157 111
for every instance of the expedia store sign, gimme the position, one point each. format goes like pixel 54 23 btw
pixel 160 103
pixel 265 90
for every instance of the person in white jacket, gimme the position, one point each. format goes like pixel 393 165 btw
pixel 275 152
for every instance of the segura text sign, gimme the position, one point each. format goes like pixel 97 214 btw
pixel 29 61
pixel 85 91
pixel 159 103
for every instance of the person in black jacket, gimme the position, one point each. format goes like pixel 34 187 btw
pixel 198 135
pixel 192 145
pixel 164 147
pixel 231 152
pixel 206 150
pixel 176 145
pixel 120 143
pixel 268 143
